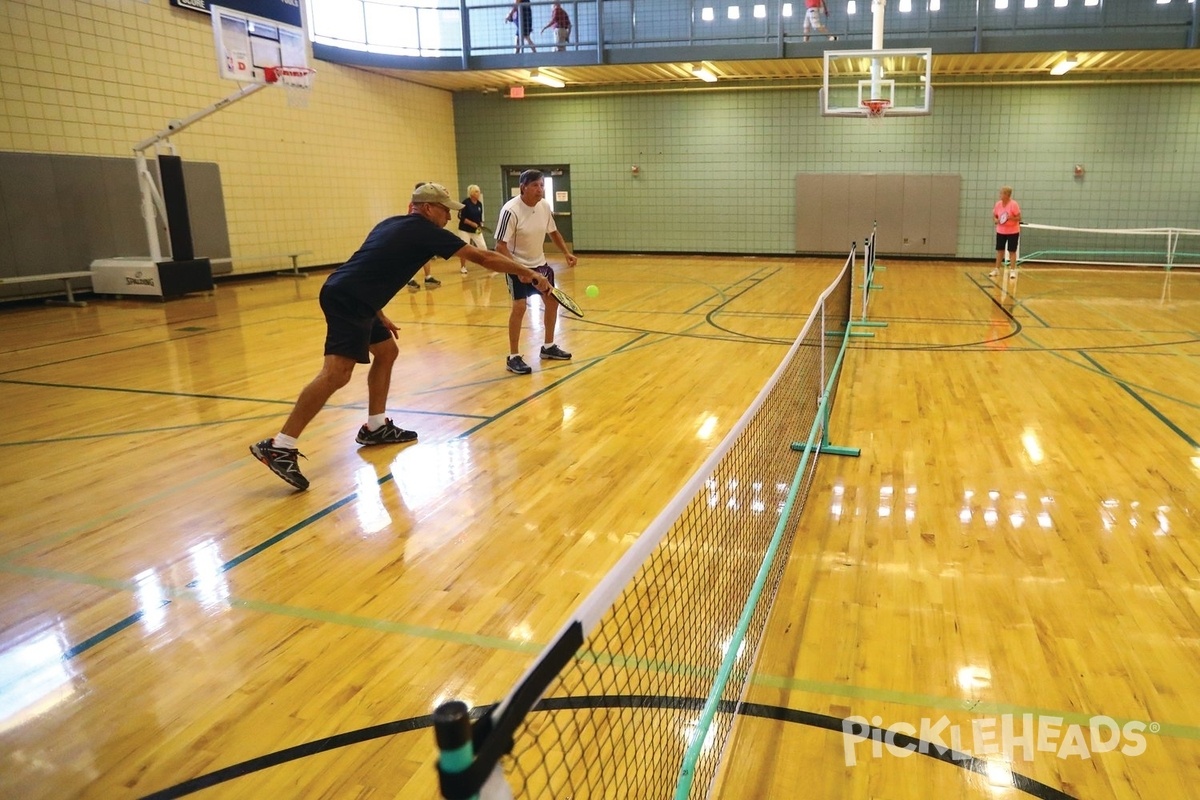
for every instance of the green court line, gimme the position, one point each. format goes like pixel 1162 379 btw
pixel 116 513
pixel 1163 418
pixel 154 392
pixel 358 621
pixel 1061 353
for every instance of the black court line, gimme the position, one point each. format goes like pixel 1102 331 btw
pixel 138 346
pixel 933 750
pixel 1015 329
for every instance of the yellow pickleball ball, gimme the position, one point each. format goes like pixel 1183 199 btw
pixel 593 291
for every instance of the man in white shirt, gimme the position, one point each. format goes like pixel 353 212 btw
pixel 525 221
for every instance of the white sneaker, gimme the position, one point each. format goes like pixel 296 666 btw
pixel 993 273
pixel 463 269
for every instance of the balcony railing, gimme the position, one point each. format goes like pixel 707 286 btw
pixel 465 31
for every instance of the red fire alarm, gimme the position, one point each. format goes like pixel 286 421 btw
pixel 516 92
pixel 1079 170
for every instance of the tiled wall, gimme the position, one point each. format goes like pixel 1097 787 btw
pixel 94 77
pixel 717 168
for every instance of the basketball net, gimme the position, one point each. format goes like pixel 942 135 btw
pixel 297 81
pixel 876 108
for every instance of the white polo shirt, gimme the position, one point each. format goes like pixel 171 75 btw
pixel 523 228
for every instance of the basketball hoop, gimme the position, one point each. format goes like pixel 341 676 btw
pixel 876 108
pixel 296 80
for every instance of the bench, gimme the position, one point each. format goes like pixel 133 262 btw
pixel 65 277
pixel 294 256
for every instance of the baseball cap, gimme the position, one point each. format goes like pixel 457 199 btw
pixel 435 193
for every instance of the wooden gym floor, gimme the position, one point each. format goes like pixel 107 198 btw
pixel 1017 544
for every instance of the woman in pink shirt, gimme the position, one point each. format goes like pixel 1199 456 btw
pixel 1007 216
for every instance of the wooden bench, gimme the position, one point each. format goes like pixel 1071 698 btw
pixel 294 256
pixel 65 277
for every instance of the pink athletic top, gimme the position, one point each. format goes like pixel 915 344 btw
pixel 1006 214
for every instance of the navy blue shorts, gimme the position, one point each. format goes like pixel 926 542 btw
pixel 523 291
pixel 1007 241
pixel 351 327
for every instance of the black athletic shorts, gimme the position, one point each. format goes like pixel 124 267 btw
pixel 1007 241
pixel 351 327
pixel 519 290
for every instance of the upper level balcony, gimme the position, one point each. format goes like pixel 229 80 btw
pixel 466 35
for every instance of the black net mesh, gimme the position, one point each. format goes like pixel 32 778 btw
pixel 619 718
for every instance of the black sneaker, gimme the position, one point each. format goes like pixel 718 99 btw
pixel 517 364
pixel 387 433
pixel 555 353
pixel 414 285
pixel 280 461
pixel 432 282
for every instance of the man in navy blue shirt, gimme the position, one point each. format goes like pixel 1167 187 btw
pixel 357 330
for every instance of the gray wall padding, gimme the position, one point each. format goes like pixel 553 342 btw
pixel 58 213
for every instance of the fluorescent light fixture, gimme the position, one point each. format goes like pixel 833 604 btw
pixel 704 73
pixel 1031 3
pixel 1060 3
pixel 1001 5
pixel 905 6
pixel 735 12
pixel 545 80
pixel 935 5
pixel 787 9
pixel 760 11
pixel 852 7
pixel 1066 65
pixel 1091 3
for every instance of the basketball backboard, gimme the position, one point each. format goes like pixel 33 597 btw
pixel 858 82
pixel 247 45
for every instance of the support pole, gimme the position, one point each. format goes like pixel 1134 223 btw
pixel 154 209
pixel 877 7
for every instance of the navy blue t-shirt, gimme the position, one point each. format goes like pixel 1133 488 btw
pixel 393 253
pixel 472 211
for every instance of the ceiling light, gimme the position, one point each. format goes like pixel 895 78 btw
pixel 545 80
pixel 1066 65
pixel 704 73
